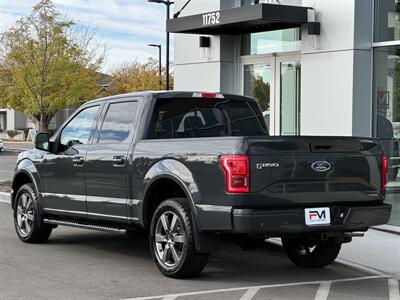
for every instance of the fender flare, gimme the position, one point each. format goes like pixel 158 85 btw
pixel 162 170
pixel 167 169
pixel 27 168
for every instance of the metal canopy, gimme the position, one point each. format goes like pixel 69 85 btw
pixel 241 20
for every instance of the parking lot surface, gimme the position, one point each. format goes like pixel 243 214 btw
pixel 82 264
pixel 7 163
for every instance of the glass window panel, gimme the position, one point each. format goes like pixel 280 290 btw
pixel 118 122
pixel 257 84
pixel 290 95
pixel 387 117
pixel 79 128
pixel 180 118
pixel 387 20
pixel 285 40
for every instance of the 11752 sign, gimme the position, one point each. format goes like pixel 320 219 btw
pixel 211 18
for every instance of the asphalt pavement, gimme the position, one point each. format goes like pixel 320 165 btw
pixel 8 160
pixel 82 264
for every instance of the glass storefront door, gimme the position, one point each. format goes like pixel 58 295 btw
pixel 274 81
pixel 257 84
pixel 289 96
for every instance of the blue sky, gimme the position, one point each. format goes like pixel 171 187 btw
pixel 124 26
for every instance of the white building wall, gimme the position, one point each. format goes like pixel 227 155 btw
pixel 193 71
pixel 336 71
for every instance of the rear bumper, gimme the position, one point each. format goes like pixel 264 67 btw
pixel 292 221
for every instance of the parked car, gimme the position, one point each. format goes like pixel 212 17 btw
pixel 1 146
pixel 191 168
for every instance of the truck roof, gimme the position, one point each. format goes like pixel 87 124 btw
pixel 169 94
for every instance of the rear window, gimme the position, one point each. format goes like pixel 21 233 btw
pixel 201 117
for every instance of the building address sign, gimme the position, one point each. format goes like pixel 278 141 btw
pixel 211 18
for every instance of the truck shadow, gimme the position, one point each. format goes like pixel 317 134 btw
pixel 230 264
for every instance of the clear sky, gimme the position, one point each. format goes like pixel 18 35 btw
pixel 125 26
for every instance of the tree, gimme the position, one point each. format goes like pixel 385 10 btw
pixel 261 92
pixel 137 76
pixel 47 63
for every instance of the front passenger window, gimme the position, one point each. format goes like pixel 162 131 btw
pixel 78 129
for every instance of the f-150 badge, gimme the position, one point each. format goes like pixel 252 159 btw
pixel 260 166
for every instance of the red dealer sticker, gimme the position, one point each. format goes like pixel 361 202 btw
pixel 317 216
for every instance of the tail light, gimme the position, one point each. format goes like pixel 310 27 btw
pixel 237 173
pixel 385 171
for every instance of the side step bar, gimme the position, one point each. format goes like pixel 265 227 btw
pixel 84 226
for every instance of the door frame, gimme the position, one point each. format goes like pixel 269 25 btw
pixel 274 60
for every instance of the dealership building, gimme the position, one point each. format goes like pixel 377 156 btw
pixel 317 67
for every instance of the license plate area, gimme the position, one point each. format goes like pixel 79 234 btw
pixel 317 216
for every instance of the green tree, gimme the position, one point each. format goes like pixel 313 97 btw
pixel 137 76
pixel 47 63
pixel 261 92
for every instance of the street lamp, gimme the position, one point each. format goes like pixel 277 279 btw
pixel 159 61
pixel 167 3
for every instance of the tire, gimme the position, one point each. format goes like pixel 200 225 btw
pixel 311 254
pixel 28 222
pixel 174 250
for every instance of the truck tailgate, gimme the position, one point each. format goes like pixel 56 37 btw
pixel 315 170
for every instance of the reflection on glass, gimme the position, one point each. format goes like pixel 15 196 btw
pixel 78 129
pixel 387 20
pixel 285 40
pixel 290 98
pixel 257 82
pixel 387 115
pixel 118 122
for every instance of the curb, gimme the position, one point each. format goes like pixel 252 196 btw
pixel 14 150
pixel 388 228
pixel 5 197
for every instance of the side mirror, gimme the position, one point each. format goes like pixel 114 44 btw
pixel 42 141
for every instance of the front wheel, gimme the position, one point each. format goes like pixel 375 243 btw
pixel 27 220
pixel 172 242
pixel 311 253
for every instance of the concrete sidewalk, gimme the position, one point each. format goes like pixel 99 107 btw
pixel 17 146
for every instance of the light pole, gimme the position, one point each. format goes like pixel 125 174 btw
pixel 167 3
pixel 159 61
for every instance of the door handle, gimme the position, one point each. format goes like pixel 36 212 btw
pixel 78 161
pixel 119 161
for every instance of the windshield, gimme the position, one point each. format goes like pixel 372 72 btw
pixel 203 117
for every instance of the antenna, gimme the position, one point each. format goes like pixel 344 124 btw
pixel 183 7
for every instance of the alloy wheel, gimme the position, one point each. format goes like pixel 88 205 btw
pixel 25 214
pixel 170 240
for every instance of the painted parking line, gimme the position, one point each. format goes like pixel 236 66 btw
pixel 5 201
pixel 258 287
pixel 393 285
pixel 250 293
pixel 323 290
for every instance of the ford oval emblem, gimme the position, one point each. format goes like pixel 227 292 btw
pixel 321 166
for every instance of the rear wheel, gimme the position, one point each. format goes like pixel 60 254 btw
pixel 311 253
pixel 172 242
pixel 27 220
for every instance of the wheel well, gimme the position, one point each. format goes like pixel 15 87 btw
pixel 19 180
pixel 159 191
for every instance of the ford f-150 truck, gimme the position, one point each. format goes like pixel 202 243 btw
pixel 190 168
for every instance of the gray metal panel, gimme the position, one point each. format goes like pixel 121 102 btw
pixel 253 18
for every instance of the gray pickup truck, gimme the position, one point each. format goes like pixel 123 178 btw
pixel 194 169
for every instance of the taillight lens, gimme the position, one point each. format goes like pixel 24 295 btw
pixel 237 173
pixel 385 171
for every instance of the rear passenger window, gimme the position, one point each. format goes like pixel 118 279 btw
pixel 118 122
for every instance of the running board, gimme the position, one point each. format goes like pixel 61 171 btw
pixel 84 226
